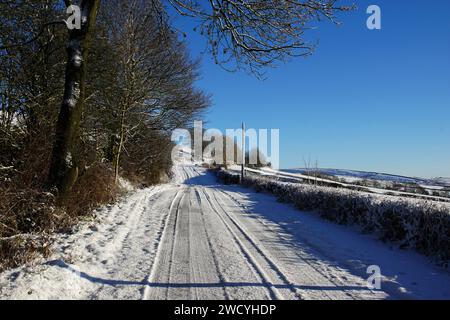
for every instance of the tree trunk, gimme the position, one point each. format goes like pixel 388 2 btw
pixel 119 147
pixel 64 163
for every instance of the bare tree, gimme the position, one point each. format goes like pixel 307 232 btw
pixel 64 163
pixel 255 34
pixel 31 83
pixel 153 83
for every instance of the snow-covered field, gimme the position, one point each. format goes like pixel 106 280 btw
pixel 196 239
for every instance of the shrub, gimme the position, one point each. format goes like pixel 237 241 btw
pixel 29 215
pixel 95 187
pixel 21 249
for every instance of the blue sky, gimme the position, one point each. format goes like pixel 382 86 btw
pixel 367 100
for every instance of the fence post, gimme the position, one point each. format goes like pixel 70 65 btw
pixel 243 154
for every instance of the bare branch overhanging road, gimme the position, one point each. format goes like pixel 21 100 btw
pixel 197 239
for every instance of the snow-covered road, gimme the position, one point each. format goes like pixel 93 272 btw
pixel 196 239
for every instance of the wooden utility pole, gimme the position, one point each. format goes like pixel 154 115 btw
pixel 243 153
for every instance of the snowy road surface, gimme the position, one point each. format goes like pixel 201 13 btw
pixel 196 239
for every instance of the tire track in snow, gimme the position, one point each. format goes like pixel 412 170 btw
pixel 183 265
pixel 261 273
pixel 161 255
pixel 236 275
pixel 180 259
pixel 211 248
pixel 207 281
pixel 318 274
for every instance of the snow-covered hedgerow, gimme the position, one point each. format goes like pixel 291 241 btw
pixel 419 224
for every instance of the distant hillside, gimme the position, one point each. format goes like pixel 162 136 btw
pixel 355 175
